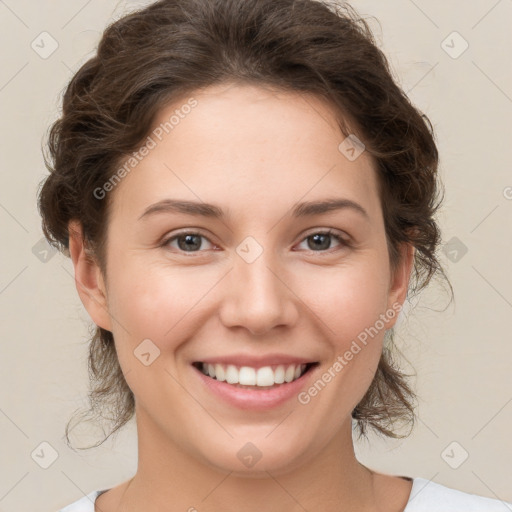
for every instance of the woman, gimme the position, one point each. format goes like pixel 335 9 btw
pixel 244 193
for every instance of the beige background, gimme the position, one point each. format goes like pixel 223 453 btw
pixel 462 356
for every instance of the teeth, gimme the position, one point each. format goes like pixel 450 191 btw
pixel 265 377
pixel 220 374
pixel 279 375
pixel 247 376
pixel 231 375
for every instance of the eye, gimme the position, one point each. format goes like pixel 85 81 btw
pixel 190 241
pixel 321 240
pixel 187 241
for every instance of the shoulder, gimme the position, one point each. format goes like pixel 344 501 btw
pixel 85 504
pixel 428 496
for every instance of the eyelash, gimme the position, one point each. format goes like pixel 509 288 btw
pixel 330 232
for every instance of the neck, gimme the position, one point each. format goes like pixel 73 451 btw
pixel 169 478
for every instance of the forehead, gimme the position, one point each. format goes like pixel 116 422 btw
pixel 248 148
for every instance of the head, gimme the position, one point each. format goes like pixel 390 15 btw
pixel 252 108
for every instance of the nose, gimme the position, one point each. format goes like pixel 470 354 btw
pixel 258 297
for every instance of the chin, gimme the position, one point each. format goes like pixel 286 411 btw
pixel 256 459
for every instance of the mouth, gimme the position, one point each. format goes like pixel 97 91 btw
pixel 247 377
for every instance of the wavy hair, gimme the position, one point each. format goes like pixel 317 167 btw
pixel 171 48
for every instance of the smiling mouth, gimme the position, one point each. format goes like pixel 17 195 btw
pixel 247 377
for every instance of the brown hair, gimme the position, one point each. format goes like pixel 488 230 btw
pixel 173 48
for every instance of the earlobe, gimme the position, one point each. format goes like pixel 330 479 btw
pixel 88 277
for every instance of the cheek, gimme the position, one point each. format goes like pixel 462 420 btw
pixel 157 303
pixel 352 308
pixel 350 300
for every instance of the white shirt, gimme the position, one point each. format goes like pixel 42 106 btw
pixel 426 496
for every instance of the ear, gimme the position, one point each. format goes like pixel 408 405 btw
pixel 400 279
pixel 88 278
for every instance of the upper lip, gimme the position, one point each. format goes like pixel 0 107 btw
pixel 256 361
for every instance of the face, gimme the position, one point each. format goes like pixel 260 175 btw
pixel 254 281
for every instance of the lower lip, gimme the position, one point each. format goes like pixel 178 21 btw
pixel 255 399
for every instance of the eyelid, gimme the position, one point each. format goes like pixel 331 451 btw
pixel 328 231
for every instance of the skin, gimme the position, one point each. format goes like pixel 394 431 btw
pixel 255 153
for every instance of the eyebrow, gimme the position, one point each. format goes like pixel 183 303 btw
pixel 201 209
